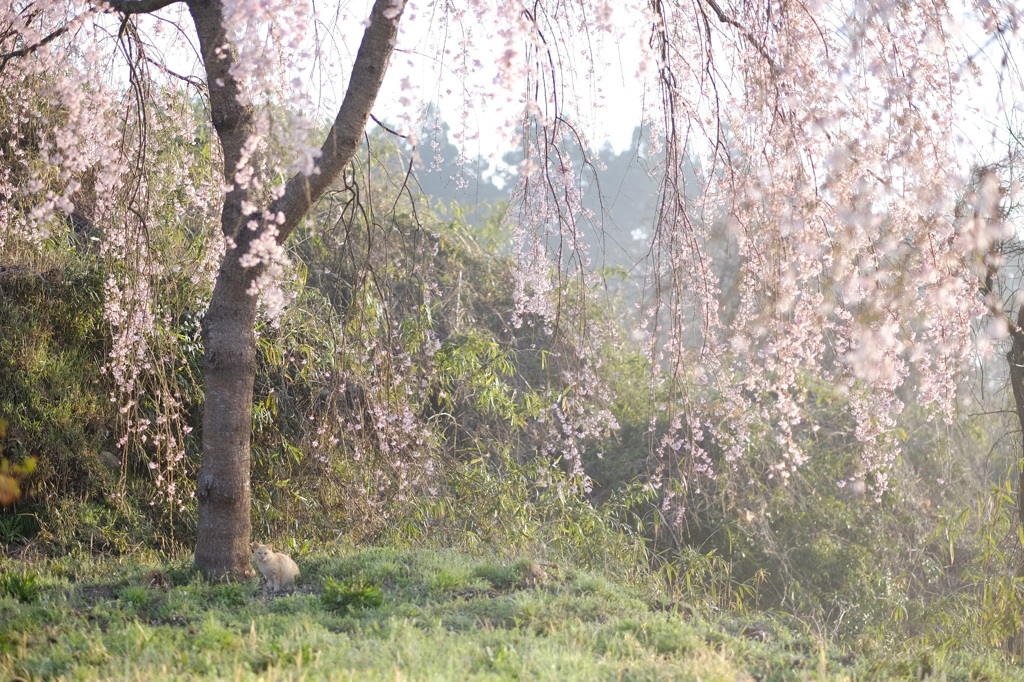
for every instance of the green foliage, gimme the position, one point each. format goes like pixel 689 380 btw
pixel 475 365
pixel 393 373
pixel 229 594
pixel 931 563
pixel 24 587
pixel 526 507
pixel 501 576
pixel 58 414
pixel 17 527
pixel 351 595
pixel 50 359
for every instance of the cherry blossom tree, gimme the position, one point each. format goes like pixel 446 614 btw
pixel 828 139
pixel 253 233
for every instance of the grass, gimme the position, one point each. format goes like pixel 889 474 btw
pixel 440 616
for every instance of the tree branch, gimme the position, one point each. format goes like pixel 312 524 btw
pixel 189 80
pixel 726 19
pixel 137 6
pixel 232 119
pixel 344 137
pixel 390 130
pixel 122 6
pixel 25 51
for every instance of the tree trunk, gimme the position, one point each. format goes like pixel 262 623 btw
pixel 223 489
pixel 1015 360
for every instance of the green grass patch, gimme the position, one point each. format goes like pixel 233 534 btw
pixel 385 614
pixel 22 586
pixel 350 596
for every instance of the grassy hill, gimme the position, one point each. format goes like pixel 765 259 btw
pixel 393 614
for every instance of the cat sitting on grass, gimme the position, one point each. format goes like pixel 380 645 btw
pixel 279 569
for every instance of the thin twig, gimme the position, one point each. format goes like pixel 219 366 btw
pixel 390 130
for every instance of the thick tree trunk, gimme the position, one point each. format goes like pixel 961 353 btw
pixel 1015 360
pixel 223 488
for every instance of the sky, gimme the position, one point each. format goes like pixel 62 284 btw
pixel 609 107
pixel 613 104
pixel 608 104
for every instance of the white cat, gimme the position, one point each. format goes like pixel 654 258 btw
pixel 279 569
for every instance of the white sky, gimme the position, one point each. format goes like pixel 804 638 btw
pixel 613 107
pixel 609 107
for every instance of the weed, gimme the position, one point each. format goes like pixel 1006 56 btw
pixel 17 527
pixel 502 577
pixel 352 595
pixel 22 586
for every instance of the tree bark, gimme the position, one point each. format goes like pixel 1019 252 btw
pixel 223 488
pixel 1015 360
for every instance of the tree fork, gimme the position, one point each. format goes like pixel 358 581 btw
pixel 223 489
